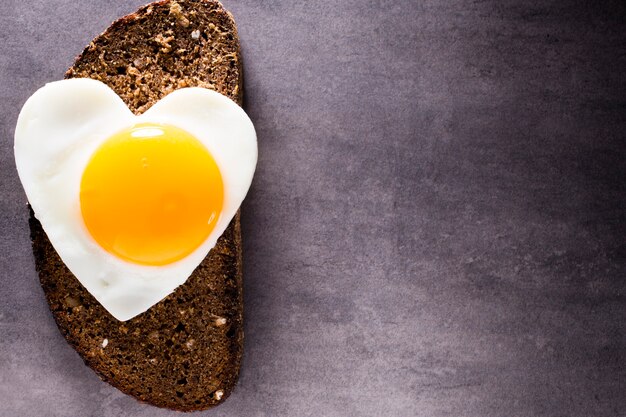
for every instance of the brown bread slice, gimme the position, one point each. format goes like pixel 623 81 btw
pixel 184 352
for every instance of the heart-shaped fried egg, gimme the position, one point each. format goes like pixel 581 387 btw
pixel 133 204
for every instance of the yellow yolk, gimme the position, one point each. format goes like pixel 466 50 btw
pixel 151 194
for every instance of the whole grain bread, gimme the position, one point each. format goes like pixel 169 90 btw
pixel 183 353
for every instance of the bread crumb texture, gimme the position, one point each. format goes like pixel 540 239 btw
pixel 184 352
pixel 162 47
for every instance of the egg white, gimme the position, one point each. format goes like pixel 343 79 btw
pixel 60 127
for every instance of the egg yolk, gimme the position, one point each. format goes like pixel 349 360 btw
pixel 151 194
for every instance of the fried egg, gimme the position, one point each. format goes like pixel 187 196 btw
pixel 132 204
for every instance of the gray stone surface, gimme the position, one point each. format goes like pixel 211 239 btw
pixel 437 226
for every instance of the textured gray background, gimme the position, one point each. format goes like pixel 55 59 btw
pixel 436 228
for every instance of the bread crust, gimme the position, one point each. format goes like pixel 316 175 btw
pixel 183 353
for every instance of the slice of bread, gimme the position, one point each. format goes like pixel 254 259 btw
pixel 184 352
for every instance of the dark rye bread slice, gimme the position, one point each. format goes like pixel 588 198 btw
pixel 184 352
